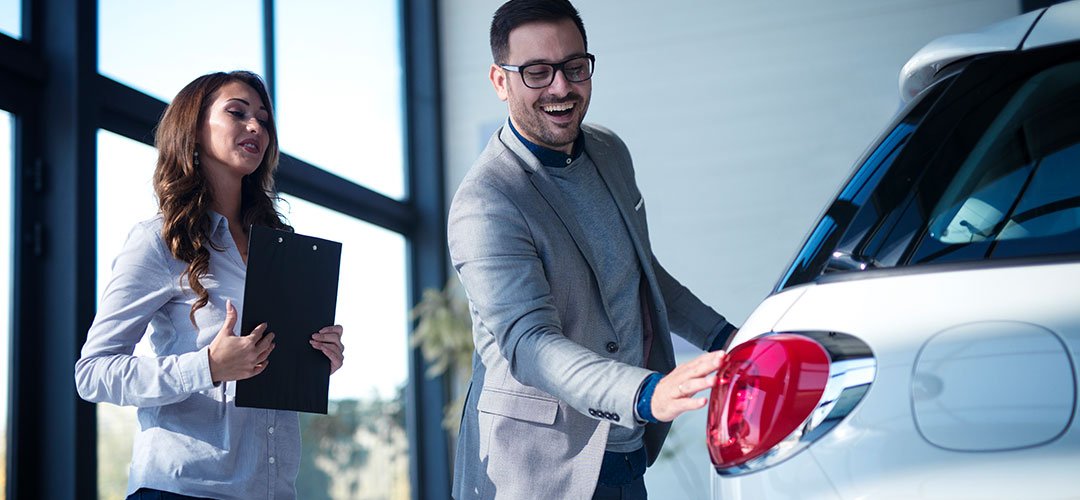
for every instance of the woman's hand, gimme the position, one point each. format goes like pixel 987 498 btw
pixel 237 358
pixel 328 340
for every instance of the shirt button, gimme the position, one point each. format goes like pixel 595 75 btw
pixel 612 347
pixel 569 161
pixel 272 460
pixel 270 430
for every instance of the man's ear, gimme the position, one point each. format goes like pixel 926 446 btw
pixel 498 80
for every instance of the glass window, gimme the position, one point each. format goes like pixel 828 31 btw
pixel 360 450
pixel 125 196
pixel 1014 194
pixel 339 89
pixel 6 155
pixel 11 19
pixel 988 174
pixel 201 36
pixel 864 205
pixel 1049 210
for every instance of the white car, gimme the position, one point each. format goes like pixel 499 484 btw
pixel 925 341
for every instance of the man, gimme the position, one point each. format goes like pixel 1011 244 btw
pixel 574 384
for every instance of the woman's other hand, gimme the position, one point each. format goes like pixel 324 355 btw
pixel 237 358
pixel 328 340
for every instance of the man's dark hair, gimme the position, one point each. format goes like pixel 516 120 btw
pixel 514 13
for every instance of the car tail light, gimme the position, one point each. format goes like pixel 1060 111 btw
pixel 765 390
pixel 773 395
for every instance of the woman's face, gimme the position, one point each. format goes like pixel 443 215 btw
pixel 233 135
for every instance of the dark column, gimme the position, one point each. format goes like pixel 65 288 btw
pixel 269 35
pixel 53 453
pixel 430 457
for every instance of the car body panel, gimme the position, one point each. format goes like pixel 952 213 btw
pixel 897 316
pixel 1057 25
pixel 806 479
pixel 963 401
pixel 765 316
pixel 896 313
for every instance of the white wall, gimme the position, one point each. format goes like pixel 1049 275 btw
pixel 743 119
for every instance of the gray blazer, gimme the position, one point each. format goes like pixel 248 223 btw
pixel 545 387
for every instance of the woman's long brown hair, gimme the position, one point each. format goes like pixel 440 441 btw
pixel 183 192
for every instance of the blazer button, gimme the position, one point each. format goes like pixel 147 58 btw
pixel 612 347
pixel 592 412
pixel 615 417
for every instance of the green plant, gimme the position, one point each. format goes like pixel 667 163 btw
pixel 444 335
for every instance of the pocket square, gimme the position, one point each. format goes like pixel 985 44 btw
pixel 640 203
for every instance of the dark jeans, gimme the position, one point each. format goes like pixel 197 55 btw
pixel 635 490
pixel 149 494
pixel 622 476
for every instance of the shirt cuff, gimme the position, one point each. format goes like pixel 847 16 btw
pixel 195 370
pixel 644 402
pixel 722 337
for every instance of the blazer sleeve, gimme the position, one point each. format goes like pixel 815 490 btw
pixel 107 371
pixel 492 249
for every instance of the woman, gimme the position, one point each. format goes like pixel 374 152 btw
pixel 180 281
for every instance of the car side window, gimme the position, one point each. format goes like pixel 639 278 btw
pixel 1015 194
pixel 858 208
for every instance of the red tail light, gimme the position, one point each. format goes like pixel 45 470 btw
pixel 765 390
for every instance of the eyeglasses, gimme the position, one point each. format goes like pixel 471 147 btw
pixel 540 75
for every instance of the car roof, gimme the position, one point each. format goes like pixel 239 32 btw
pixel 1055 24
pixel 1060 23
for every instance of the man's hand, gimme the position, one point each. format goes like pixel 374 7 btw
pixel 674 393
pixel 238 358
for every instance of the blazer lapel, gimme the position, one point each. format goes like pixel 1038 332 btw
pixel 601 153
pixel 550 192
pixel 599 150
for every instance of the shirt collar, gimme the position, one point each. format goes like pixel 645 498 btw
pixel 217 221
pixel 550 157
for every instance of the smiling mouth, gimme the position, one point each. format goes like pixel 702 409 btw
pixel 558 109
pixel 250 147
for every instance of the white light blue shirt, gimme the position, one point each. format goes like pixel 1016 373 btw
pixel 191 438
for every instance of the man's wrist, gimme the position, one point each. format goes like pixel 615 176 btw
pixel 723 337
pixel 644 402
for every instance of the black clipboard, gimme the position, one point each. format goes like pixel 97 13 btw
pixel 291 284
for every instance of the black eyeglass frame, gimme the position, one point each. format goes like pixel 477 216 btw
pixel 555 67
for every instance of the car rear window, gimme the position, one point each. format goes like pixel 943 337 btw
pixel 984 165
pixel 1017 192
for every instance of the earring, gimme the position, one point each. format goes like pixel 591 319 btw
pixel 196 158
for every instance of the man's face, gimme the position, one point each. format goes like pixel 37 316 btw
pixel 549 116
